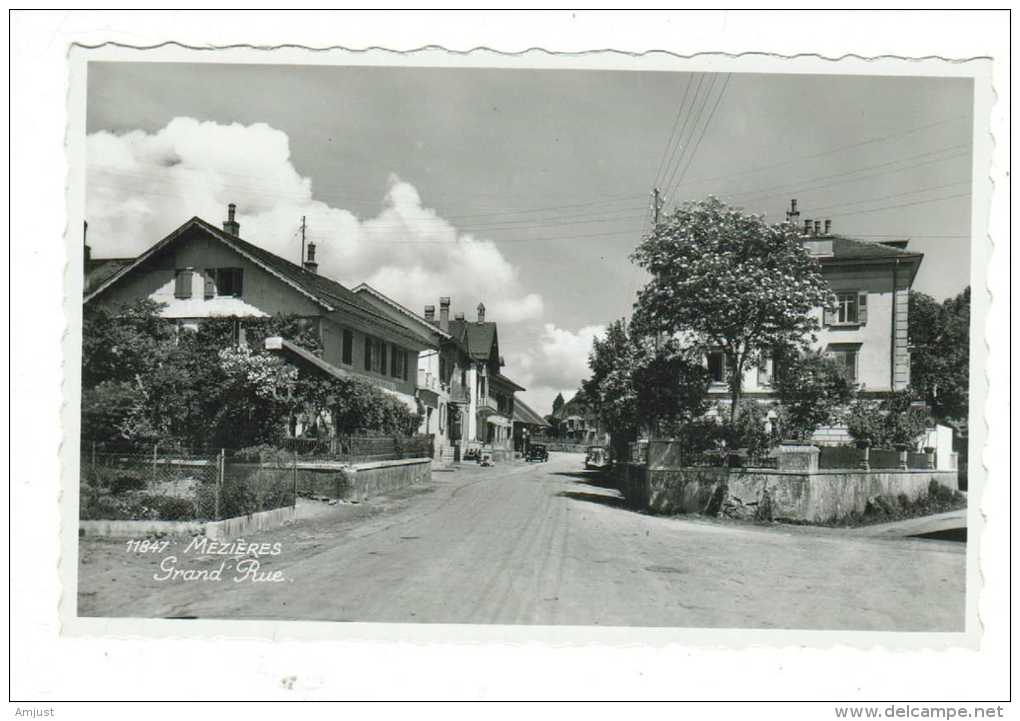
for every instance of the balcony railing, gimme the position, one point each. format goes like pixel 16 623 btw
pixel 488 402
pixel 428 380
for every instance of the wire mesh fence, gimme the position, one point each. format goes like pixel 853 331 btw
pixel 175 483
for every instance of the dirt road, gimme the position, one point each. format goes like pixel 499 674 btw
pixel 545 544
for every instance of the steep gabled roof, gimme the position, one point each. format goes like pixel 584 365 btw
pixel 414 322
pixel 329 294
pixel 478 338
pixel 523 413
pixel 499 377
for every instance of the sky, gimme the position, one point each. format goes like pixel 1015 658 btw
pixel 523 189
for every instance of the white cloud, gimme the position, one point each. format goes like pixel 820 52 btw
pixel 142 185
pixel 557 363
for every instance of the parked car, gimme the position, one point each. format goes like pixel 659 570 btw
pixel 537 452
pixel 597 458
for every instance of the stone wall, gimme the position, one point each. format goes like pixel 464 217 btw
pixel 361 481
pixel 813 496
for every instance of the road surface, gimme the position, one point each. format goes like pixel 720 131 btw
pixel 546 544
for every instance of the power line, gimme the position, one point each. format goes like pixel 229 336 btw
pixel 797 186
pixel 708 122
pixel 697 115
pixel 823 153
pixel 676 120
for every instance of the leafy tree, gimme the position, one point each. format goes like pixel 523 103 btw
pixel 731 280
pixel 889 422
pixel 671 384
pixel 636 381
pixel 144 380
pixel 612 361
pixel 940 354
pixel 813 389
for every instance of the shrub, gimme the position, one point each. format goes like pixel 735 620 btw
pixel 892 421
pixel 171 508
pixel 747 430
pixel 124 483
pixel 813 390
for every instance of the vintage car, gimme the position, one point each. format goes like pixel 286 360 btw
pixel 537 452
pixel 597 458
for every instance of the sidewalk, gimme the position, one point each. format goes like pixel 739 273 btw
pixel 937 523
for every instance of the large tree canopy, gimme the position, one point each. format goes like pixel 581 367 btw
pixel 733 281
pixel 636 382
pixel 940 353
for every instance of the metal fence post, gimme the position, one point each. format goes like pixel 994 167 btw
pixel 219 480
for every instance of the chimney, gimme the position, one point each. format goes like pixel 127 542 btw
pixel 430 313
pixel 459 316
pixel 793 215
pixel 828 226
pixel 481 312
pixel 807 227
pixel 230 225
pixel 444 314
pixel 310 264
pixel 818 227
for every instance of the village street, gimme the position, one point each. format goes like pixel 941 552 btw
pixel 547 544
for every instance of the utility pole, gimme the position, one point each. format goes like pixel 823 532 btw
pixel 656 206
pixel 301 262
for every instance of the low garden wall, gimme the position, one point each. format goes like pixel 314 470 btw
pixel 798 490
pixel 360 481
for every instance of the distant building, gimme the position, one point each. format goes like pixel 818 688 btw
pixel 578 422
pixel 527 425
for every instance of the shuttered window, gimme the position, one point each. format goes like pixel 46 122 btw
pixel 717 366
pixel 210 283
pixel 381 365
pixel 846 356
pixel 347 349
pixel 229 281
pixel 395 362
pixel 764 377
pixel 369 342
pixel 851 309
pixel 182 284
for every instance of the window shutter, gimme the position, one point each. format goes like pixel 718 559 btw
pixel 862 308
pixel 210 283
pixel 239 282
pixel 763 373
pixel 368 353
pixel 830 317
pixel 182 284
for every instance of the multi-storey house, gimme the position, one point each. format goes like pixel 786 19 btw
pixel 866 331
pixel 200 271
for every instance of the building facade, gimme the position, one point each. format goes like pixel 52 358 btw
pixel 200 271
pixel 866 332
